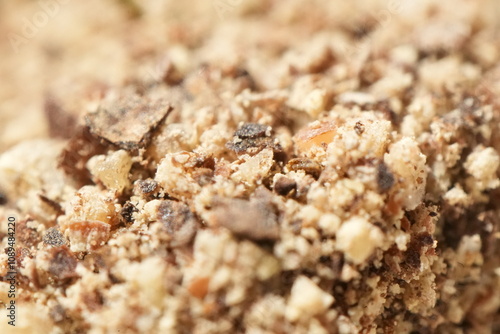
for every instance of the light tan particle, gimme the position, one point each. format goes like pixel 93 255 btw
pixel 483 164
pixel 358 239
pixel 407 162
pixel 112 169
pixel 457 196
pixel 148 277
pixel 174 177
pixel 306 300
pixel 31 166
pixel 253 169
pixel 329 223
pixel 469 250
pixel 87 235
pixel 91 204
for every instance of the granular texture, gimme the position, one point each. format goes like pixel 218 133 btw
pixel 253 166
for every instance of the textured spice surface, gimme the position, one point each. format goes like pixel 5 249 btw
pixel 252 166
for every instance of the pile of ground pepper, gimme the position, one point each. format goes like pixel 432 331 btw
pixel 253 166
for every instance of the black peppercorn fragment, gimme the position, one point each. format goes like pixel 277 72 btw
pixel 53 237
pixel 253 130
pixel 147 186
pixel 127 212
pixel 178 221
pixel 284 186
pixel 251 138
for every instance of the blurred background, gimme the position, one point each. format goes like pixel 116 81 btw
pixel 58 57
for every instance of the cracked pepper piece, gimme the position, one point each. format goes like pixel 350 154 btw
pixel 54 238
pixel 127 212
pixel 128 122
pixel 253 130
pixel 27 235
pixel 62 264
pixel 308 166
pixel 147 187
pixel 284 186
pixel 250 138
pixel 254 219
pixel 178 220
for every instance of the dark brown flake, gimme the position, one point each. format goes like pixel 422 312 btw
pixel 178 221
pixel 253 130
pixel 128 122
pixel 309 166
pixel 284 186
pixel 62 264
pixel 251 138
pixel 126 213
pixel 254 219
